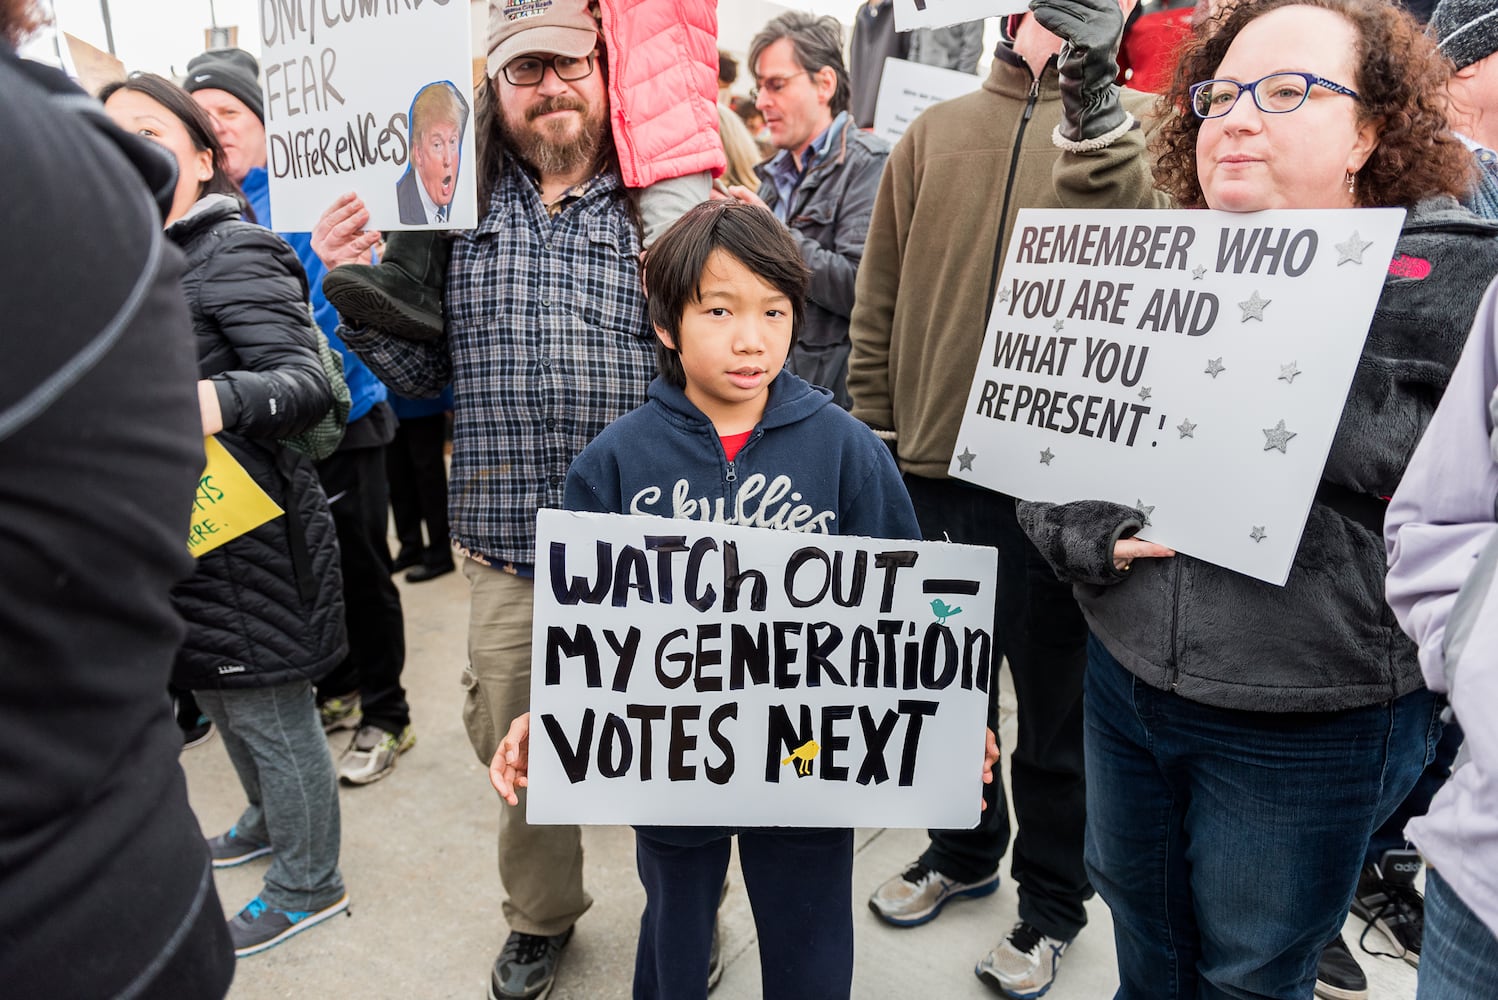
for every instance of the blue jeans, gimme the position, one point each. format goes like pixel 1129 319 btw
pixel 1227 844
pixel 800 885
pixel 1459 956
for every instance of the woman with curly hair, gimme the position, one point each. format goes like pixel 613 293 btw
pixel 1243 740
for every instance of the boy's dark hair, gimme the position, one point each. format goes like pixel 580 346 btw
pixel 675 264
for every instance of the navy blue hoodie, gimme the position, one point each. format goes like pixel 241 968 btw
pixel 807 466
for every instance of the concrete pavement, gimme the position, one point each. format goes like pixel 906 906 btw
pixel 419 860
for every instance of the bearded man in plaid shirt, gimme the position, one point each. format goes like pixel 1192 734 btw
pixel 546 342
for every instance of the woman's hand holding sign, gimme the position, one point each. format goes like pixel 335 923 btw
pixel 510 766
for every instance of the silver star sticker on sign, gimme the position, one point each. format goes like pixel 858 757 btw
pixel 1046 456
pixel 1187 428
pixel 1351 252
pixel 1198 272
pixel 1288 372
pixel 1277 437
pixel 1215 367
pixel 965 461
pixel 1057 326
pixel 1258 534
pixel 1254 307
pixel 1004 294
pixel 1144 511
pixel 1144 392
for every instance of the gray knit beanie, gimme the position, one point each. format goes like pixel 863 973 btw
pixel 233 71
pixel 1465 30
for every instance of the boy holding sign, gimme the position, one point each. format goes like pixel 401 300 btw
pixel 756 445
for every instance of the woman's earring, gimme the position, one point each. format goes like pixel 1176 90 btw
pixel 1351 183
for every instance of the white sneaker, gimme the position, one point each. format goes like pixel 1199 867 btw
pixel 1024 964
pixel 372 754
pixel 917 894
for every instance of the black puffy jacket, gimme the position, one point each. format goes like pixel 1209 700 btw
pixel 267 607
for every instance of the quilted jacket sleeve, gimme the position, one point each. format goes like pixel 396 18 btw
pixel 255 292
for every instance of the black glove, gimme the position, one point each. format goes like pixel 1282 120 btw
pixel 1091 30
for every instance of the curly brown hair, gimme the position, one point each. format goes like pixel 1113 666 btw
pixel 1401 78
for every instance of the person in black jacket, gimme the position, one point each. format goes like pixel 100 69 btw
pixel 105 884
pixel 265 610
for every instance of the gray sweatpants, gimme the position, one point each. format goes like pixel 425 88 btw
pixel 276 744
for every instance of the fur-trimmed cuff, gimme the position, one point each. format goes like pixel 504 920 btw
pixel 1077 539
pixel 885 435
pixel 1103 141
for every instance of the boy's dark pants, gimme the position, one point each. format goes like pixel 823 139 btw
pixel 800 885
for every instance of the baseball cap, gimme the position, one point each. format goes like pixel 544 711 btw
pixel 558 27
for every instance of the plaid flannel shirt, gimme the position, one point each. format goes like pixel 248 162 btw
pixel 547 342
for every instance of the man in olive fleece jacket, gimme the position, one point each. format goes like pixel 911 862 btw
pixel 962 170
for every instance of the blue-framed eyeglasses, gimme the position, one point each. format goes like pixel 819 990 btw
pixel 1275 94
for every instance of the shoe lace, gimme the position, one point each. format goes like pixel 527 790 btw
pixel 525 949
pixel 1403 912
pixel 917 873
pixel 1025 938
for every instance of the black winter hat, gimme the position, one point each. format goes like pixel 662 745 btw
pixel 233 71
pixel 1465 30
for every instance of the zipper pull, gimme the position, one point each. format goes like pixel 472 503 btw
pixel 732 475
pixel 1034 96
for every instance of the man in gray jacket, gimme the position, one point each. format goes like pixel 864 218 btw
pixel 822 182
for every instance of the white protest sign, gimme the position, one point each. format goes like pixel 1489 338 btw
pixel 906 89
pixel 700 674
pixel 1192 364
pixel 912 14
pixel 342 86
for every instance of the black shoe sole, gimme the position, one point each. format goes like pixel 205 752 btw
pixel 361 306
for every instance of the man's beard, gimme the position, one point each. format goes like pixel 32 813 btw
pixel 541 145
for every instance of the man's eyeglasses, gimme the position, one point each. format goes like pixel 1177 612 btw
pixel 1275 94
pixel 527 71
pixel 774 84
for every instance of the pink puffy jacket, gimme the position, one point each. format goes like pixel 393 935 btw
pixel 663 87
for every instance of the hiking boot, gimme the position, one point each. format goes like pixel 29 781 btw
pixel 401 295
pixel 1338 975
pixel 1024 964
pixel 339 713
pixel 918 894
pixel 258 927
pixel 527 967
pixel 372 754
pixel 230 849
pixel 1388 900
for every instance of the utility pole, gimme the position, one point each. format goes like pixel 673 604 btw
pixel 108 28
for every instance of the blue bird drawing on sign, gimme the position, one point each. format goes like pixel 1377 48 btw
pixel 943 611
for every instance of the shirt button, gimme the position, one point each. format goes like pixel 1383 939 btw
pixel 546 302
pixel 550 423
pixel 555 480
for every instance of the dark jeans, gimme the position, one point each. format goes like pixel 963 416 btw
pixel 1227 844
pixel 418 487
pixel 354 481
pixel 1459 957
pixel 1039 629
pixel 1390 836
pixel 800 885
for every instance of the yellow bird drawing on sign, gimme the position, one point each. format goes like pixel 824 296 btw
pixel 803 755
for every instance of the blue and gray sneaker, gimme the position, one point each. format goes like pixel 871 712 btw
pixel 258 927
pixel 230 849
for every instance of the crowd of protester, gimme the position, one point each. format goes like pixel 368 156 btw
pixel 1232 766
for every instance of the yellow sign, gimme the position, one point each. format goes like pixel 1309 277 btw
pixel 229 503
